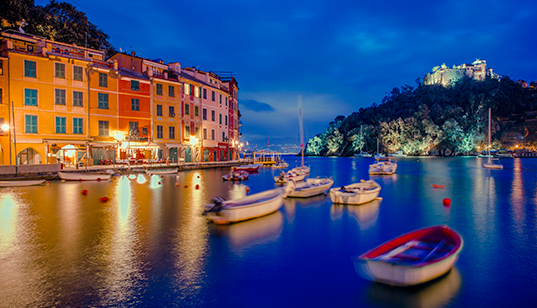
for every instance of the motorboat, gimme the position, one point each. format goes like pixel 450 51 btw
pixel 310 187
pixel 230 211
pixel 18 183
pixel 280 164
pixel 363 154
pixel 293 174
pixel 248 168
pixel 162 171
pixel 383 166
pixel 83 176
pixel 357 193
pixel 304 169
pixel 413 258
pixel 236 176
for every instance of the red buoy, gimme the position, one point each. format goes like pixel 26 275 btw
pixel 197 186
pixel 159 183
pixel 98 179
pixel 85 192
pixel 186 186
pixel 446 202
pixel 438 186
pixel 103 199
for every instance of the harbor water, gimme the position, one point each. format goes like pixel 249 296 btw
pixel 149 246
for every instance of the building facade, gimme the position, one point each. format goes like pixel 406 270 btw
pixel 69 104
pixel 445 76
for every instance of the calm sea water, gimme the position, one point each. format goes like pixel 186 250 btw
pixel 148 246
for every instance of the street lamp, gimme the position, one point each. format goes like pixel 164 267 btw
pixel 5 127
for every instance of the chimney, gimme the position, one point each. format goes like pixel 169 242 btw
pixel 115 65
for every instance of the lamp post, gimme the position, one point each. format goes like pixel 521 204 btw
pixel 4 128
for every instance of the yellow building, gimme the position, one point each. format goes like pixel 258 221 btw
pixel 45 86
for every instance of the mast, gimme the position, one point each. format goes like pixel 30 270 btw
pixel 489 137
pixel 301 128
pixel 361 139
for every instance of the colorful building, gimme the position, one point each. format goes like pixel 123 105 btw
pixel 64 103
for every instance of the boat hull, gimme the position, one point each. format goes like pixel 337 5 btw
pixel 312 187
pixel 21 183
pixel 382 168
pixel 76 176
pixel 492 166
pixel 246 208
pixel 294 174
pixel 357 193
pixel 162 172
pixel 248 168
pixel 387 263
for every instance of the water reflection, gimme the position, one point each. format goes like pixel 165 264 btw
pixel 141 179
pixel 121 268
pixel 366 214
pixel 517 197
pixel 252 232
pixel 437 293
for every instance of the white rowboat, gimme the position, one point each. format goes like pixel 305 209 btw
pixel 162 171
pixel 79 176
pixel 357 193
pixel 383 166
pixel 310 188
pixel 229 211
pixel 17 183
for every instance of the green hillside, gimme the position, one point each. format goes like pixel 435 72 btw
pixel 450 120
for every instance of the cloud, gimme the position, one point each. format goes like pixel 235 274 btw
pixel 256 106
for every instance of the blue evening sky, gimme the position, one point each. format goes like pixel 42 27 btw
pixel 338 55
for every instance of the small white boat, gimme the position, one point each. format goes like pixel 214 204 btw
pixel 383 166
pixel 248 168
pixel 309 188
pixel 357 193
pixel 162 171
pixel 236 176
pixel 493 163
pixel 229 211
pixel 398 154
pixel 293 174
pixel 17 183
pixel 304 169
pixel 413 258
pixel 363 154
pixel 80 176
pixel 280 165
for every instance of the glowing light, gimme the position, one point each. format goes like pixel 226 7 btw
pixel 5 127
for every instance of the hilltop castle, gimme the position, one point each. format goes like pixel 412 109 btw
pixel 443 75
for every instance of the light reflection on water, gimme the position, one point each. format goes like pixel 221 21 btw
pixel 149 243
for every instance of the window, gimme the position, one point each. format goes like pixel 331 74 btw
pixel 78 73
pixel 159 89
pixel 135 104
pixel 133 129
pixel 103 100
pixel 186 89
pixel 159 131
pixel 30 124
pixel 197 130
pixel 187 131
pixel 225 123
pixel 59 97
pixel 30 97
pixel 220 118
pixel 103 128
pixel 103 80
pixel 204 134
pixel 204 112
pixel 220 98
pixel 135 85
pixel 1 95
pixel 205 93
pixel 171 132
pixel 212 96
pixel 196 111
pixel 197 91
pixel 226 100
pixel 171 111
pixel 213 116
pixel 59 70
pixel 171 91
pixel 77 126
pixel 223 136
pixel 1 67
pixel 212 134
pixel 187 109
pixel 30 69
pixel 78 99
pixel 60 125
pixel 159 110
pixel 191 91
